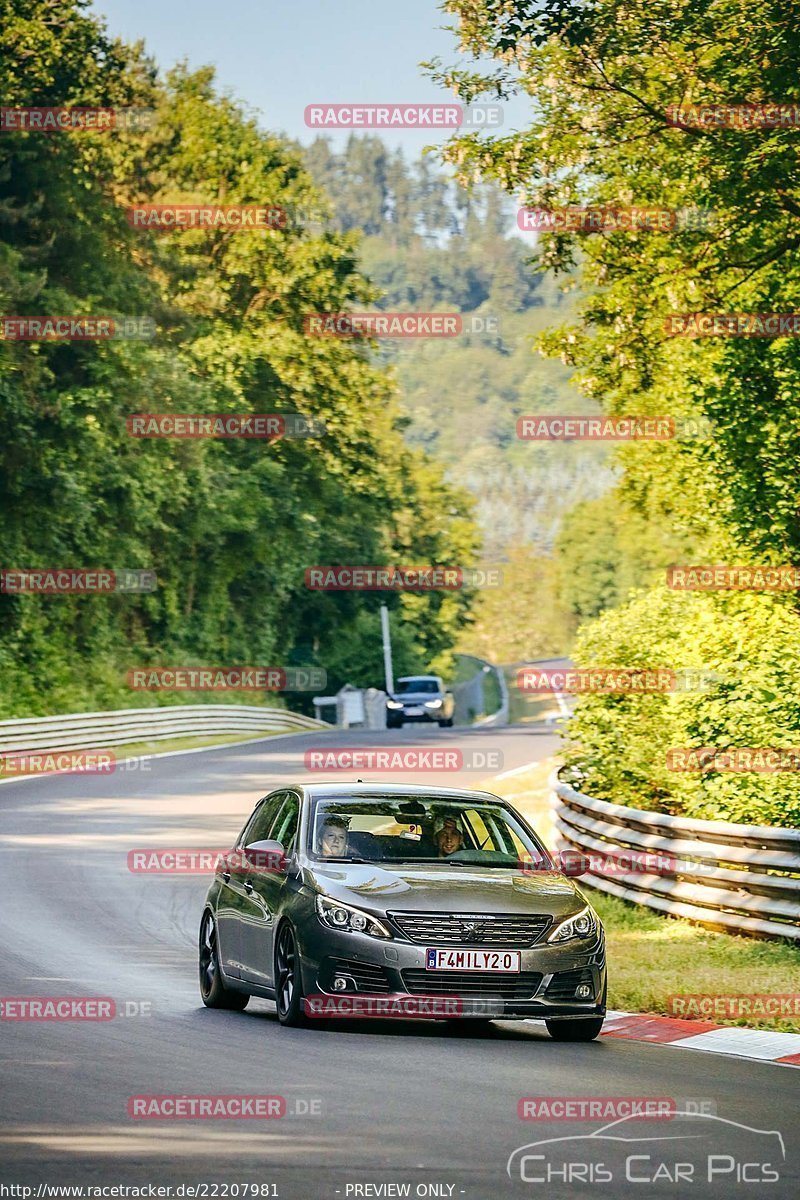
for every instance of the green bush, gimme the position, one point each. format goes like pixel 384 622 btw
pixel 619 743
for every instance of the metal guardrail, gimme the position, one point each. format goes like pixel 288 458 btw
pixel 81 731
pixel 738 878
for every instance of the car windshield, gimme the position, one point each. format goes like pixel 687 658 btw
pixel 423 829
pixel 417 685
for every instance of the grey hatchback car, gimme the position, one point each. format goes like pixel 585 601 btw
pixel 350 893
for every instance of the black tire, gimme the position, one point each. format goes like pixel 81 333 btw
pixel 288 981
pixel 449 723
pixel 584 1029
pixel 213 991
pixel 394 724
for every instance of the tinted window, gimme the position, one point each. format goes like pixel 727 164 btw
pixel 263 819
pixel 421 686
pixel 285 830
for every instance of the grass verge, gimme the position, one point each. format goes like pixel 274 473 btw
pixel 651 957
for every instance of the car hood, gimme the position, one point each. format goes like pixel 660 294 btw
pixel 435 887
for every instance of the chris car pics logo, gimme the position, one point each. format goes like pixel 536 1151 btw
pixel 699 1148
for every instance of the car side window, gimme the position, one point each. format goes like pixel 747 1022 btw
pixel 285 830
pixel 263 819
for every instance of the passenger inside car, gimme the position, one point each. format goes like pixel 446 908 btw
pixel 449 837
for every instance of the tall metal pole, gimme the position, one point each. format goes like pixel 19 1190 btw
pixel 387 650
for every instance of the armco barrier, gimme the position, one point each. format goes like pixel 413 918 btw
pixel 738 878
pixel 76 731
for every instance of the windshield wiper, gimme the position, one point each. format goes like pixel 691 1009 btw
pixel 512 864
pixel 450 862
pixel 337 862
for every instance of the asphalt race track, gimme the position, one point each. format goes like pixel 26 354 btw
pixel 411 1104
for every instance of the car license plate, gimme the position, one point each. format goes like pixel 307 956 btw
pixel 413 712
pixel 472 960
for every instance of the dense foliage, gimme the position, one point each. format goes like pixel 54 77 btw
pixel 430 244
pixel 228 526
pixel 741 657
pixel 603 78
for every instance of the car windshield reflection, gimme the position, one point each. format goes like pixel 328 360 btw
pixel 461 833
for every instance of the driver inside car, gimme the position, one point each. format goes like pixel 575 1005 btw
pixel 333 837
pixel 449 839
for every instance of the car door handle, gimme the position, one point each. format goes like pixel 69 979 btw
pixel 226 875
pixel 248 887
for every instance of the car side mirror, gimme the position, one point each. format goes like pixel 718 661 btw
pixel 266 855
pixel 572 863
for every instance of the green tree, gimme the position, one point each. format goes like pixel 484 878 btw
pixel 229 526
pixel 603 77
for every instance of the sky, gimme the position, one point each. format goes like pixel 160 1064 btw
pixel 279 57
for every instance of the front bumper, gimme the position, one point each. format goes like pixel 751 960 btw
pixel 433 715
pixel 545 986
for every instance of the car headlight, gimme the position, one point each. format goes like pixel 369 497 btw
pixel 393 704
pixel 582 925
pixel 336 915
pixel 433 704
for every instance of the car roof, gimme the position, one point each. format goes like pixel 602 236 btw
pixel 403 678
pixel 351 790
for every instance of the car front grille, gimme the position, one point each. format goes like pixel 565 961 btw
pixel 511 932
pixel 563 986
pixel 486 984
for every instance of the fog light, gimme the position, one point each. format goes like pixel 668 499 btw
pixel 340 984
pixel 583 991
